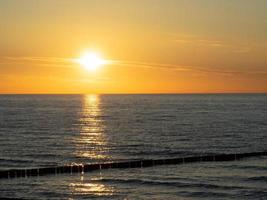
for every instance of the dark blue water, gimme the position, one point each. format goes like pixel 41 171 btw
pixel 50 130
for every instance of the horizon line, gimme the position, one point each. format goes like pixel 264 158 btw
pixel 163 93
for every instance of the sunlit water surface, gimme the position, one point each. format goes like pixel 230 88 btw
pixel 51 130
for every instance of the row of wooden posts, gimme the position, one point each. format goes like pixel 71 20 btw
pixel 81 168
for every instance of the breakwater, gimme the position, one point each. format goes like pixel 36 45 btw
pixel 82 168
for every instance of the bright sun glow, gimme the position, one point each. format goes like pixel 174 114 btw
pixel 91 61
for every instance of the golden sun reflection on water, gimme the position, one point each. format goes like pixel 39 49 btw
pixel 90 188
pixel 91 145
pixel 91 142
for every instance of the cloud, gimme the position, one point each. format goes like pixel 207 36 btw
pixel 43 61
pixel 242 50
pixel 188 68
pixel 69 62
pixel 173 67
pixel 201 42
pixel 198 41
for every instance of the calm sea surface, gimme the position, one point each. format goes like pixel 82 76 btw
pixel 51 130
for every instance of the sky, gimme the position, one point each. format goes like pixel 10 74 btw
pixel 159 46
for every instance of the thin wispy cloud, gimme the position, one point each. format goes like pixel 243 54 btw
pixel 242 50
pixel 198 41
pixel 204 42
pixel 181 68
pixel 70 62
pixel 40 61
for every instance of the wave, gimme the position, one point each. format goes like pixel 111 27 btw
pixel 257 178
pixel 179 184
pixel 260 168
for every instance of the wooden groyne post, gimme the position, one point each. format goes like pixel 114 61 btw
pixel 81 168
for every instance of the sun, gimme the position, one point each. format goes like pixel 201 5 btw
pixel 91 61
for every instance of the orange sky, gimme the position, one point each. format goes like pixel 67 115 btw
pixel 170 46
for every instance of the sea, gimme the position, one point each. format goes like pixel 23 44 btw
pixel 55 130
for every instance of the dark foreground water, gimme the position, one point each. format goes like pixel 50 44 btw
pixel 50 130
